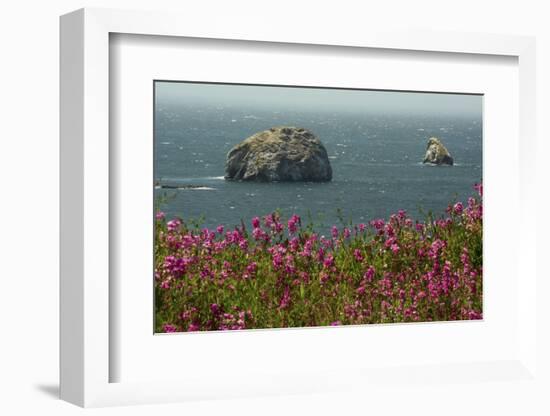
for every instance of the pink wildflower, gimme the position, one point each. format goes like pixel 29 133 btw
pixel 479 188
pixel 193 327
pixel 328 261
pixel 293 223
pixel 169 328
pixel 173 225
pixel 255 222
pixel 458 208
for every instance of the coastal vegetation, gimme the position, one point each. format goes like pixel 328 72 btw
pixel 271 273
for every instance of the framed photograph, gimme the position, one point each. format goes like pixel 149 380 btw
pixel 257 188
pixel 270 214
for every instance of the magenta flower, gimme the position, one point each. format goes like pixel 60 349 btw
pixel 206 272
pixel 252 267
pixel 294 243
pixel 258 234
pixel 369 274
pixel 173 225
pixel 255 222
pixel 290 268
pixel 277 260
pixel 279 227
pixel 193 327
pixel 293 223
pixel 328 261
pixel 160 215
pixel 458 208
pixel 169 328
pixel 285 300
pixel 243 244
pixel 474 315
pixel 479 188
pixel 378 224
pixel 268 220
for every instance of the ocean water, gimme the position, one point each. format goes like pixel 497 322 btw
pixel 375 157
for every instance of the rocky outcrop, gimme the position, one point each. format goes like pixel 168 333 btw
pixel 437 154
pixel 279 154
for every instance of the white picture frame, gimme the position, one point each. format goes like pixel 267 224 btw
pixel 85 355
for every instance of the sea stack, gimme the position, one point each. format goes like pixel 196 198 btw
pixel 437 154
pixel 280 154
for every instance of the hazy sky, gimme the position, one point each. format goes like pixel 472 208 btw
pixel 317 99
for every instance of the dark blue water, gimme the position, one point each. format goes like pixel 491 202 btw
pixel 375 158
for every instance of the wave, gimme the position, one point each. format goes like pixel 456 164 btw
pixel 186 187
pixel 438 166
pixel 187 180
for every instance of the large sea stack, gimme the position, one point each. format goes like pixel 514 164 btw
pixel 282 154
pixel 437 154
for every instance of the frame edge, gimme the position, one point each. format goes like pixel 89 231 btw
pixel 71 214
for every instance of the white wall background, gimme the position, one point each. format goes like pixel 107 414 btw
pixel 29 180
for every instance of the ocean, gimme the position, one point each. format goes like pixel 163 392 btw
pixel 376 160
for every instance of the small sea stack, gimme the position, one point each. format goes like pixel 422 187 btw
pixel 437 153
pixel 279 154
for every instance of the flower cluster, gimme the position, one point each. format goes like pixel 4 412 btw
pixel 274 273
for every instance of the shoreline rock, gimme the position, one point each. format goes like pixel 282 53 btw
pixel 437 153
pixel 279 154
